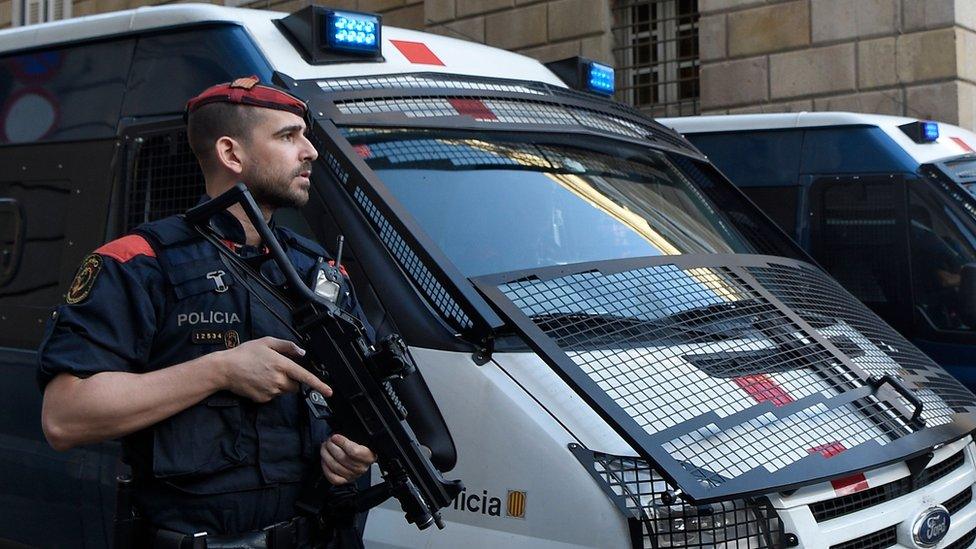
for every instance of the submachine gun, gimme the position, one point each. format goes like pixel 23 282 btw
pixel 365 406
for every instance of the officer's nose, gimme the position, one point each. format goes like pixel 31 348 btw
pixel 308 152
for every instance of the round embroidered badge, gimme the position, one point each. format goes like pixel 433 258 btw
pixel 82 284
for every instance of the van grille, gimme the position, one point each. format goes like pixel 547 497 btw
pixel 963 542
pixel 876 540
pixel 958 501
pixel 837 507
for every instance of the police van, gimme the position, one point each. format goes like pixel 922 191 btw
pixel 617 348
pixel 878 201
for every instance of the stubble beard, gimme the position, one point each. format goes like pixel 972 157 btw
pixel 274 190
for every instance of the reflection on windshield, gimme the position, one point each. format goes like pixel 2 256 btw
pixel 496 206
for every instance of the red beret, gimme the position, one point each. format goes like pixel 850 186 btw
pixel 248 91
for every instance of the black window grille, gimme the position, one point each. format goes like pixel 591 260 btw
pixel 656 55
pixel 165 178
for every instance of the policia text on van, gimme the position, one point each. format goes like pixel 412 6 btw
pixel 626 352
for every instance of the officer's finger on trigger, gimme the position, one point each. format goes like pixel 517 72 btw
pixel 302 375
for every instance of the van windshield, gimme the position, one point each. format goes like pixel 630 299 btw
pixel 943 241
pixel 497 205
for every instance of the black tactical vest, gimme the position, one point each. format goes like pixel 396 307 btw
pixel 225 443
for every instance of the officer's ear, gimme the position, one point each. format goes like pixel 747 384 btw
pixel 230 154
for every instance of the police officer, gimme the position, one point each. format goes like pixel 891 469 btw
pixel 161 343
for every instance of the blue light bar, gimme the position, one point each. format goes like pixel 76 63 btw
pixel 356 32
pixel 600 78
pixel 921 131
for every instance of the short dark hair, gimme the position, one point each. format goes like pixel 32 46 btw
pixel 208 123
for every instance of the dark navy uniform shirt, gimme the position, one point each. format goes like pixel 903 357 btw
pixel 162 296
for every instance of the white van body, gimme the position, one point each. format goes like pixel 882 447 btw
pixel 952 141
pixel 516 422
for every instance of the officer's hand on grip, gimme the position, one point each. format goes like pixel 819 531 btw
pixel 262 370
pixel 343 460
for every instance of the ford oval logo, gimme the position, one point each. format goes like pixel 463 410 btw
pixel 931 526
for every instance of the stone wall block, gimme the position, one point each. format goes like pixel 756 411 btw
pixel 768 29
pixel 834 20
pixel 102 6
pixel 754 109
pixel 966 94
pixel 934 102
pixel 878 102
pixel 599 48
pixel 788 106
pixel 475 7
pixel 471 29
pixel 810 72
pixel 965 14
pixel 78 9
pixel 379 5
pixel 966 54
pixel 926 55
pixel 518 28
pixel 712 37
pixel 876 65
pixel 408 17
pixel 574 18
pixel 288 6
pixel 6 12
pixel 928 14
pixel 438 11
pixel 707 6
pixel 738 82
pixel 554 52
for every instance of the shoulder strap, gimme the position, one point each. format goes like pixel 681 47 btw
pixel 306 245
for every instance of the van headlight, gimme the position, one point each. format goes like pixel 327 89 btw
pixel 665 520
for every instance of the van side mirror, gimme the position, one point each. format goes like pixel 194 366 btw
pixel 967 292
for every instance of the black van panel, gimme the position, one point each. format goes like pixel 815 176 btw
pixel 63 190
pixel 64 93
pixel 170 68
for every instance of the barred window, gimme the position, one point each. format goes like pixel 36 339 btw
pixel 656 54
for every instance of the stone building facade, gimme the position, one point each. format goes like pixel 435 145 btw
pixel 905 57
pixel 679 57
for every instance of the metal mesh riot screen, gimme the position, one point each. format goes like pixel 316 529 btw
pixel 553 107
pixel 664 520
pixel 734 366
pixel 498 110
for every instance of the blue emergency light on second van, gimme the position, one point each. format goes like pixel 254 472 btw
pixel 921 131
pixel 600 78
pixel 584 74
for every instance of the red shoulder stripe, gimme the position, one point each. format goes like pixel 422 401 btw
pixel 127 247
